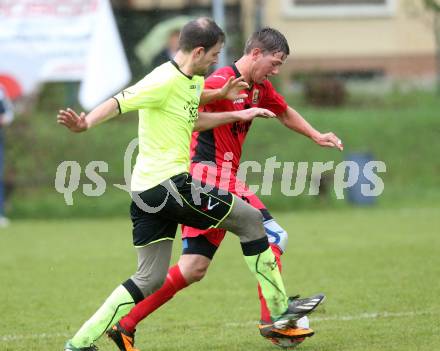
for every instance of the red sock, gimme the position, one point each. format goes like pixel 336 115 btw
pixel 265 313
pixel 173 283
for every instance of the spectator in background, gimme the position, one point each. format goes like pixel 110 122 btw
pixel 169 51
pixel 6 117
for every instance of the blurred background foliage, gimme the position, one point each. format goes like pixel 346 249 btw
pixel 401 129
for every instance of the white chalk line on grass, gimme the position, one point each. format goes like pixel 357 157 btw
pixel 372 315
pixel 19 337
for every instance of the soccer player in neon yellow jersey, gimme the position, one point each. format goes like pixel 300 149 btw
pixel 164 193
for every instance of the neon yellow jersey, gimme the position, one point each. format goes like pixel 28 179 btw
pixel 168 102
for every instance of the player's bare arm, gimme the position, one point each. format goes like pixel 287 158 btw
pixel 80 123
pixel 208 120
pixel 232 90
pixel 294 121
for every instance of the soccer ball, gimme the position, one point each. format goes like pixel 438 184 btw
pixel 286 343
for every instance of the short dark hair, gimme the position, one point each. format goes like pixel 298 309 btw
pixel 201 32
pixel 269 40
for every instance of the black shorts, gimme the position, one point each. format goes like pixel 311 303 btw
pixel 198 245
pixel 156 212
pixel 201 245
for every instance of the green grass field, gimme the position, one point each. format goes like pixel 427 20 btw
pixel 380 269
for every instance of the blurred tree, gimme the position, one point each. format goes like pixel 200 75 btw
pixel 434 7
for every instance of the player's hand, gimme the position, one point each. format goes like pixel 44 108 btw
pixel 232 88
pixel 329 140
pixel 74 122
pixel 251 113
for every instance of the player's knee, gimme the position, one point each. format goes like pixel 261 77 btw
pixel 276 234
pixel 196 274
pixel 251 214
pixel 245 221
pixel 194 270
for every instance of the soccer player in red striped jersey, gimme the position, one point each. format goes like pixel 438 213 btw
pixel 215 159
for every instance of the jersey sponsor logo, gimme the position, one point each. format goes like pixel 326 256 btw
pixel 255 96
pixel 196 87
pixel 192 107
pixel 238 101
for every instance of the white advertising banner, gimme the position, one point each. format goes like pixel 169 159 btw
pixel 62 40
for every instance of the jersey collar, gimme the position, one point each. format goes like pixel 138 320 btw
pixel 236 71
pixel 174 63
pixel 238 74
